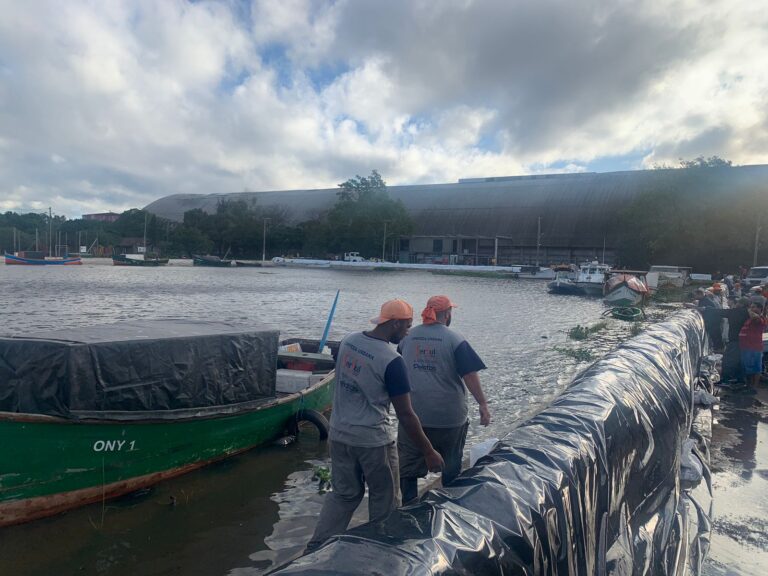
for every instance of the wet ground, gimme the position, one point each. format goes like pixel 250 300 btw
pixel 739 463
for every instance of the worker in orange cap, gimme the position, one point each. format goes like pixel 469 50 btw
pixel 370 375
pixel 441 367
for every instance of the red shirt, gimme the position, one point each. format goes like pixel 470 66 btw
pixel 751 334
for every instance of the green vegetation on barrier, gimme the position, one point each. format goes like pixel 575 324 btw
pixel 579 354
pixel 670 293
pixel 580 332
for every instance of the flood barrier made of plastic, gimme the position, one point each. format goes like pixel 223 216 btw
pixel 588 486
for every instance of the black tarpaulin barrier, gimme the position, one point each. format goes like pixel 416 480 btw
pixel 142 366
pixel 588 486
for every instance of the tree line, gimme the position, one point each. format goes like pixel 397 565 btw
pixel 238 228
pixel 671 222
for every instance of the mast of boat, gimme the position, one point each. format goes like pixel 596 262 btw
pixel 36 240
pixel 538 241
pixel 50 232
pixel 603 249
pixel 145 235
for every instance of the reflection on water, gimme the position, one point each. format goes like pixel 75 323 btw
pixel 250 512
pixel 740 483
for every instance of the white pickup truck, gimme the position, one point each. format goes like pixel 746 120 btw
pixel 353 257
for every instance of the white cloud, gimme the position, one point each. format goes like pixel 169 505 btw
pixel 110 105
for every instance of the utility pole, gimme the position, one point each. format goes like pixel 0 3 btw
pixel 603 249
pixel 264 241
pixel 50 232
pixel 538 241
pixel 384 242
pixel 757 241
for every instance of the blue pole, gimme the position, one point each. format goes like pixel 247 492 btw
pixel 328 324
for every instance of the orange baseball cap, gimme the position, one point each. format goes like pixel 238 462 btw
pixel 436 304
pixel 393 310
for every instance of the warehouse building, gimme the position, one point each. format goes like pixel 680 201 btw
pixel 504 220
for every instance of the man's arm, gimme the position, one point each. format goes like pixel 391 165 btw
pixel 472 382
pixel 410 422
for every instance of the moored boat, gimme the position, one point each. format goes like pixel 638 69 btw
pixel 138 402
pixel 138 260
pixel 212 261
pixel 628 313
pixel 565 281
pixel 625 288
pixel 587 280
pixel 244 264
pixel 592 278
pixel 38 259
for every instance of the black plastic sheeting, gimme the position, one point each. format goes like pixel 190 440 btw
pixel 141 366
pixel 588 486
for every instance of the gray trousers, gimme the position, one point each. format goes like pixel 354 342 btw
pixel 352 467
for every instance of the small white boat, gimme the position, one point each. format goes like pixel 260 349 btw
pixel 532 272
pixel 586 280
pixel 625 289
pixel 591 278
pixel 565 281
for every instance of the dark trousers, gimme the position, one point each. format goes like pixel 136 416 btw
pixel 449 443
pixel 353 467
pixel 732 369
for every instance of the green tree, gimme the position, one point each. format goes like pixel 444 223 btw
pixel 701 162
pixel 362 213
pixel 188 240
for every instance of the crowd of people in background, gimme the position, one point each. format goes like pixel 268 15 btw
pixel 735 320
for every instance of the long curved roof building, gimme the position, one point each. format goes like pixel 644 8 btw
pixel 572 212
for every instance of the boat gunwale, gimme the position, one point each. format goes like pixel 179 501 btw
pixel 180 415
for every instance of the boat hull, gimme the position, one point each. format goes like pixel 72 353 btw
pixel 61 464
pixel 211 261
pixel 123 261
pixel 20 261
pixel 623 296
pixel 591 288
pixel 567 288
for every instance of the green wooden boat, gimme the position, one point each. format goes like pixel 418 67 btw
pixel 51 463
pixel 628 313
pixel 145 261
pixel 210 261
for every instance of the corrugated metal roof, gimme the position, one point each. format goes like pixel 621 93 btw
pixel 575 209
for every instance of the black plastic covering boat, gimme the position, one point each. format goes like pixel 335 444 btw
pixel 141 366
pixel 588 486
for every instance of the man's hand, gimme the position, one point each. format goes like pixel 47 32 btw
pixel 485 415
pixel 435 462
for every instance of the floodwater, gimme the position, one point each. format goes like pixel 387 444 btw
pixel 252 512
pixel 739 464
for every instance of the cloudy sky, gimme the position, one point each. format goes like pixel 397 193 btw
pixel 109 105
